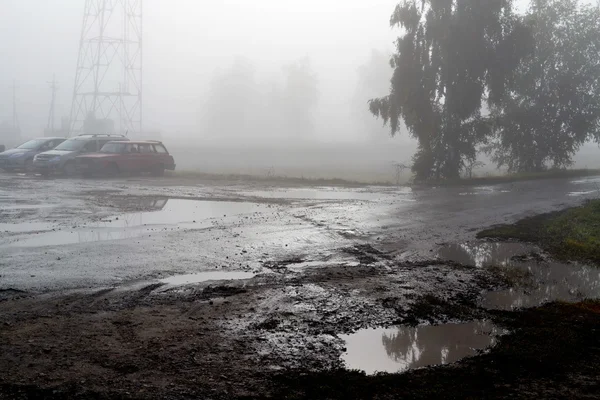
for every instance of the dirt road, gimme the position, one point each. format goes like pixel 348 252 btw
pixel 142 288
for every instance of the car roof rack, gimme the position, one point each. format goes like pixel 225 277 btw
pixel 102 135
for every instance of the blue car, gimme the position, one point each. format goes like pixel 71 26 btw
pixel 21 158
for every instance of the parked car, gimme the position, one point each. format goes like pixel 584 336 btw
pixel 132 156
pixel 21 158
pixel 62 158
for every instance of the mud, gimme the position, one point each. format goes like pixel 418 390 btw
pixel 236 290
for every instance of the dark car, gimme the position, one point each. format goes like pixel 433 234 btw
pixel 21 158
pixel 62 158
pixel 131 157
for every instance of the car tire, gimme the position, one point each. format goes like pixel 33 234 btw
pixel 69 168
pixel 158 170
pixel 28 166
pixel 112 170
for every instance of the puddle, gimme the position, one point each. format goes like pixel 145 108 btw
pixel 484 254
pixel 403 348
pixel 583 193
pixel 538 281
pixel 174 214
pixel 551 281
pixel 25 227
pixel 207 276
pixel 483 190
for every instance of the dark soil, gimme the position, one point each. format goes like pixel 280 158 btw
pixel 553 353
pixel 240 340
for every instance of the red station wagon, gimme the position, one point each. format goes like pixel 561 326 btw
pixel 117 157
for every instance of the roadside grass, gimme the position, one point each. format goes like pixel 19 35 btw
pixel 498 179
pixel 274 179
pixel 571 234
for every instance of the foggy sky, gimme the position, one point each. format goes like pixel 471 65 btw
pixel 186 41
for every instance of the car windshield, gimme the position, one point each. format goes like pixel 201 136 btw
pixel 32 144
pixel 71 145
pixel 112 148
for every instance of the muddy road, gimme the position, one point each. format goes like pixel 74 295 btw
pixel 174 288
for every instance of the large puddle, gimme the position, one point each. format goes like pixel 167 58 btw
pixel 170 215
pixel 402 348
pixel 536 280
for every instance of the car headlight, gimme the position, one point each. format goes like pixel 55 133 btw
pixel 17 155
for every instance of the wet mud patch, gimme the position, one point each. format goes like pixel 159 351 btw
pixel 366 254
pixel 552 353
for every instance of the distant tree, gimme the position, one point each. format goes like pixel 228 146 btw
pixel 554 106
pixel 231 101
pixel 373 80
pixel 452 55
pixel 300 97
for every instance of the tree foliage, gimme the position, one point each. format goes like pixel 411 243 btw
pixel 554 106
pixel 453 54
pixel 300 97
pixel 373 79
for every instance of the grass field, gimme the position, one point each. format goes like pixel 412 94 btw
pixel 572 234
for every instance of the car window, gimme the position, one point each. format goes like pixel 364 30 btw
pixel 114 148
pixel 102 142
pixel 32 144
pixel 160 149
pixel 132 148
pixel 47 146
pixel 90 147
pixel 56 142
pixel 146 148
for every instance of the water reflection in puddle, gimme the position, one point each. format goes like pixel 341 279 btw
pixel 483 254
pixel 402 348
pixel 550 281
pixel 537 281
pixel 25 227
pixel 207 276
pixel 170 215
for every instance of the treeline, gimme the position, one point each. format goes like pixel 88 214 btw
pixel 475 75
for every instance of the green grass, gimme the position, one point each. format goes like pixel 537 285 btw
pixel 572 234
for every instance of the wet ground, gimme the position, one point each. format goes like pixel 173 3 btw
pixel 147 288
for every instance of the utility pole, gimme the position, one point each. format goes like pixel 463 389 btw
pixel 15 117
pixel 51 115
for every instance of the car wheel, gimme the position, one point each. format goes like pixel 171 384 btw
pixel 69 168
pixel 112 170
pixel 28 166
pixel 158 170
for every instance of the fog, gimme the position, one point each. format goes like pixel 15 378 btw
pixel 232 75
